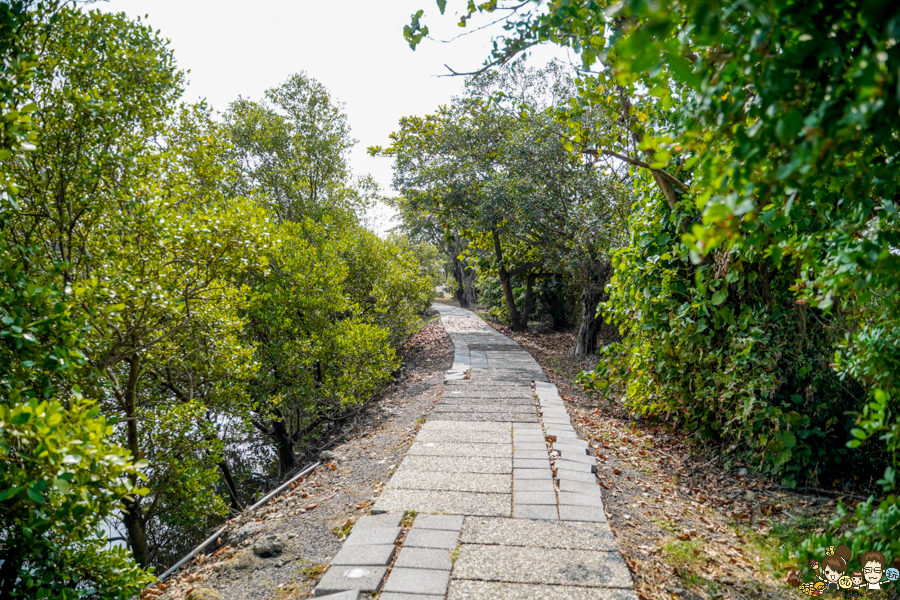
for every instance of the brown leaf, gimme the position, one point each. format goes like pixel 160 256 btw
pixel 311 506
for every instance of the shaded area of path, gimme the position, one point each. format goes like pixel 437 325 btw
pixel 494 518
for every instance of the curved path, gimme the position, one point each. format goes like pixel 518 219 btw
pixel 506 505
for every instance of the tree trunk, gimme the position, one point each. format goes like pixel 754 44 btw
pixel 284 446
pixel 229 483
pixel 9 572
pixel 465 278
pixel 526 305
pixel 506 283
pixel 133 519
pixel 592 294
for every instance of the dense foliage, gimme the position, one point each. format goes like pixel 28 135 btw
pixel 762 275
pixel 166 287
pixel 490 169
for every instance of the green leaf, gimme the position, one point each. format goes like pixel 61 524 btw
pixel 719 297
pixel 442 5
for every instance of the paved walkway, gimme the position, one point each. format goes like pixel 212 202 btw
pixel 506 503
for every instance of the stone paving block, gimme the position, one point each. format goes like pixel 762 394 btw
pixel 571 465
pixel 409 479
pixel 530 454
pixel 526 426
pixel 458 503
pixel 533 485
pixel 489 417
pixel 458 436
pixel 585 476
pixel 552 421
pixel 573 456
pixel 417 581
pixel 586 568
pixel 575 448
pixel 556 534
pixel 569 485
pixel 534 498
pixel 489 590
pixel 425 558
pixel 459 464
pixel 560 435
pixel 364 555
pixel 581 499
pixel 358 579
pixel 535 511
pixel 372 536
pixel 438 425
pixel 431 538
pixel 474 399
pixel 448 449
pixel 528 436
pixel 348 595
pixel 542 473
pixel 398 596
pixel 530 463
pixel 449 522
pixel 480 408
pixel 587 514
pixel 530 446
pixel 385 520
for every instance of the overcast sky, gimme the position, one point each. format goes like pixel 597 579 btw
pixel 354 47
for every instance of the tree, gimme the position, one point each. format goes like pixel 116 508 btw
pixel 492 164
pixel 60 476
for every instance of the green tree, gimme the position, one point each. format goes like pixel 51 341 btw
pixel 60 476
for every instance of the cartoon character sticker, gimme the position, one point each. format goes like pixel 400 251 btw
pixel 834 574
pixel 873 568
pixel 834 565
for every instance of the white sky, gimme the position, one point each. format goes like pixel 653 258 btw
pixel 354 47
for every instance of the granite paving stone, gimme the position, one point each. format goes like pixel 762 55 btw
pixel 525 475
pixel 554 566
pixel 489 417
pixel 542 454
pixel 364 555
pixel 431 538
pixel 568 512
pixel 530 446
pixel 533 485
pixel 359 579
pixel 457 436
pixel 385 520
pixel 452 522
pixel 555 534
pixel 585 476
pixel 459 503
pixel 398 596
pixel 581 499
pixel 531 463
pixel 534 498
pixel 348 595
pixel 424 480
pixel 458 464
pixel 569 485
pixel 448 449
pixel 448 426
pixel 442 408
pixel 372 536
pixel 571 465
pixel 417 581
pixel 489 590
pixel 424 558
pixel 535 511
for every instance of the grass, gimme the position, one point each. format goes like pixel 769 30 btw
pixel 314 570
pixel 408 518
pixel 779 548
pixel 683 553
pixel 343 530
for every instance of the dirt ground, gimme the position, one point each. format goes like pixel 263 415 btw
pixel 686 528
pixel 313 518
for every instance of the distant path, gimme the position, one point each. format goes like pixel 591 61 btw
pixel 498 517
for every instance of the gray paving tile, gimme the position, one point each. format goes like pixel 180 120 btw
pixel 438 425
pixel 385 520
pixel 373 536
pixel 530 454
pixel 489 417
pixel 575 457
pixel 553 566
pixel 364 555
pixel 442 408
pixel 535 511
pixel 489 590
pixel 461 464
pixel 417 581
pixel 555 534
pixel 398 596
pixel 587 466
pixel 424 558
pixel 594 499
pixel 568 512
pixel 544 474
pixel 359 579
pixel 409 479
pixel 568 485
pixel 458 503
pixel 585 476
pixel 449 522
pixel 534 498
pixel 348 595
pixel 533 485
pixel 431 538
pixel 530 463
pixel 526 426
pixel 456 436
pixel 530 446
pixel 449 449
